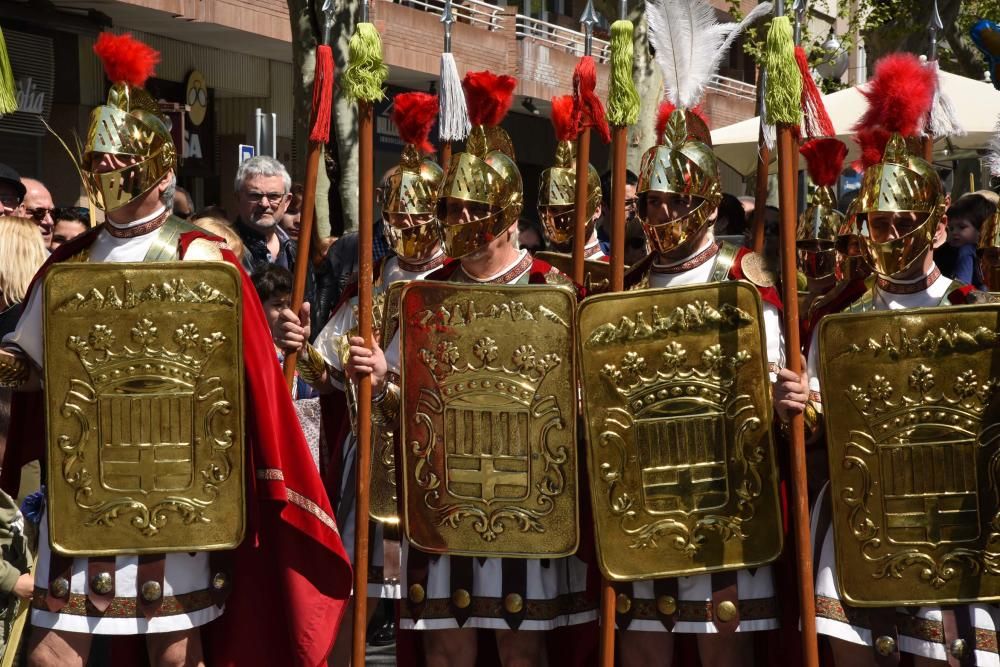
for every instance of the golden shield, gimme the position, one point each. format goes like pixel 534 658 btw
pixel 596 274
pixel 488 420
pixel 383 496
pixel 144 407
pixel 677 402
pixel 911 416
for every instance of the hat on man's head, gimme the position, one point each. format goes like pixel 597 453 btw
pixel 10 175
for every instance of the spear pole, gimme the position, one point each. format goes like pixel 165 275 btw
pixel 783 109
pixel 623 110
pixel 365 75
pixel 933 27
pixel 587 21
pixel 319 135
pixel 448 19
pixel 453 117
pixel 763 161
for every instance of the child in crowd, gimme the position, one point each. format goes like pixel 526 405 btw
pixel 16 581
pixel 957 258
pixel 274 288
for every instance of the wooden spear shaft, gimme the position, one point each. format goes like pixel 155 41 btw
pixel 619 148
pixel 760 184
pixel 365 226
pixel 787 177
pixel 445 155
pixel 302 260
pixel 580 208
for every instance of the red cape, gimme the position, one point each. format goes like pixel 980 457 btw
pixel 291 576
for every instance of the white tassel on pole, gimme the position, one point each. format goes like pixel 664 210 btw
pixel 453 119
pixel 943 118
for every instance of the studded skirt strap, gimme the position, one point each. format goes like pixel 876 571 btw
pixel 514 589
pixel 725 601
pixel 101 581
pixel 60 573
pixel 149 584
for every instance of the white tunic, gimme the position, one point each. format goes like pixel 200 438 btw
pixel 832 616
pixel 183 573
pixel 755 586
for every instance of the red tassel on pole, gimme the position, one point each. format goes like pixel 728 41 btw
pixel 322 105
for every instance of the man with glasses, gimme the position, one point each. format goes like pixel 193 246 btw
pixel 11 191
pixel 263 191
pixel 38 206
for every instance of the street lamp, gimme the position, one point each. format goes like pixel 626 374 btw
pixel 834 62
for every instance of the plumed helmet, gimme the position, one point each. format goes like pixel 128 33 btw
pixel 129 124
pixel 681 164
pixel 485 173
pixel 557 186
pixel 411 187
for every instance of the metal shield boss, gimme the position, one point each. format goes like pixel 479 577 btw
pixel 677 403
pixel 911 414
pixel 489 463
pixel 144 407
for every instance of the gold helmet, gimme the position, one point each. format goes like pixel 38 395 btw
pixel 895 180
pixel 409 190
pixel 820 222
pixel 682 164
pixel 129 126
pixel 557 186
pixel 484 176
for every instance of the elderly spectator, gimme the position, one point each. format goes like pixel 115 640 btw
pixel 262 196
pixel 11 191
pixel 38 206
pixel 70 223
pixel 292 218
pixel 183 206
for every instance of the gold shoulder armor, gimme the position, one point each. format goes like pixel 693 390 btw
pixel 203 250
pixel 756 270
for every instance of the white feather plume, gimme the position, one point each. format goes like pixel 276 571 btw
pixel 943 121
pixel 690 44
pixel 993 151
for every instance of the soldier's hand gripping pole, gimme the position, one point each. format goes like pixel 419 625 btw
pixel 623 110
pixel 783 109
pixel 319 135
pixel 363 79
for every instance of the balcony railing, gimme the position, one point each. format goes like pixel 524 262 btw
pixel 734 87
pixel 473 12
pixel 558 37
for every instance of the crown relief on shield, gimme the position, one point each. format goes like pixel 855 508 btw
pixel 130 123
pixel 485 173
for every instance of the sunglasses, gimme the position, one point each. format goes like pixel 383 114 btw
pixel 39 213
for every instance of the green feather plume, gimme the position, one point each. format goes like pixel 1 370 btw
pixel 8 90
pixel 784 81
pixel 366 71
pixel 623 98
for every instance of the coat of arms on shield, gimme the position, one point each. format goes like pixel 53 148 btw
pixel 677 403
pixel 144 407
pixel 911 416
pixel 488 419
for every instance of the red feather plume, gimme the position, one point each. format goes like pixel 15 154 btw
pixel 824 159
pixel 663 115
pixel 589 110
pixel 126 59
pixel 563 119
pixel 872 141
pixel 899 96
pixel 414 114
pixel 488 96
